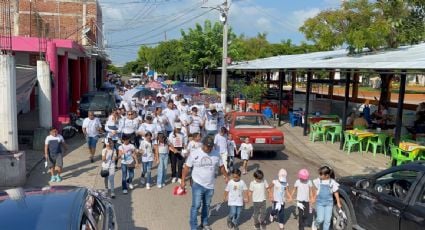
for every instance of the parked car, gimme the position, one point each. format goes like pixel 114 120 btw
pixel 393 199
pixel 101 103
pixel 256 127
pixel 56 208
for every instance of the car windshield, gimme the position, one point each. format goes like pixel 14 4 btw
pixel 95 99
pixel 251 122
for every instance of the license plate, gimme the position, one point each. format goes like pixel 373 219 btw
pixel 97 112
pixel 260 140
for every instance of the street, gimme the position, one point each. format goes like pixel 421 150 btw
pixel 158 208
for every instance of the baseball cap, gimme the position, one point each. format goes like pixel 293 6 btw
pixel 178 125
pixel 282 175
pixel 208 141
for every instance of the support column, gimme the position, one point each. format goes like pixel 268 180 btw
pixel 76 83
pixel 399 118
pixel 52 59
pixel 8 110
pixel 355 92
pixel 63 85
pixel 346 99
pixel 84 76
pixel 44 94
pixel 307 101
pixel 281 75
pixel 331 85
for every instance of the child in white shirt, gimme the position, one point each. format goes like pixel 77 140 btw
pixel 257 193
pixel 220 142
pixel 231 150
pixel 147 151
pixel 247 151
pixel 236 194
pixel 304 189
pixel 278 190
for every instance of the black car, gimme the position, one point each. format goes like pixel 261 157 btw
pixel 101 103
pixel 56 208
pixel 393 199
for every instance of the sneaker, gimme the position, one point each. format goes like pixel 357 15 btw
pixel 271 218
pixel 207 227
pixel 229 223
pixel 53 179
pixel 148 186
pixel 112 195
pixel 159 186
pixel 174 180
pixel 58 178
pixel 91 159
pixel 142 180
pixel 179 181
pixel 124 191
pixel 131 186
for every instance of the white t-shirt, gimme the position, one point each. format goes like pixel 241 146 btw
pixel 258 190
pixel 160 122
pixel 246 150
pixel 220 142
pixel 303 190
pixel 58 139
pixel 193 146
pixel 146 127
pixel 162 148
pixel 171 115
pixel 128 150
pixel 279 190
pixel 231 147
pixel 129 126
pixel 204 166
pixel 54 143
pixel 177 140
pixel 235 190
pixel 333 185
pixel 211 122
pixel 109 163
pixel 92 126
pixel 147 151
pixel 195 122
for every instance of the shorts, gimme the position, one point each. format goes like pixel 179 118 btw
pixel 279 214
pixel 244 156
pixel 55 160
pixel 91 142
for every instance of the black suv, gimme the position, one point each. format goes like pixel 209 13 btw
pixel 101 103
pixel 393 199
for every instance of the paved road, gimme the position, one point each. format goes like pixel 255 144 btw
pixel 158 209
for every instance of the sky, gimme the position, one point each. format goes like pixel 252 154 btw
pixel 131 23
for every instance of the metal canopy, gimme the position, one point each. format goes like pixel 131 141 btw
pixel 406 58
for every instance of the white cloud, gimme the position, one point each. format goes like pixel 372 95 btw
pixel 300 16
pixel 264 23
pixel 113 13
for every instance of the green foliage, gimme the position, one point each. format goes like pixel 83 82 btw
pixel 114 69
pixel 368 24
pixel 254 90
pixel 132 67
pixel 235 87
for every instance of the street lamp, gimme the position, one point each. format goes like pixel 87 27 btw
pixel 224 10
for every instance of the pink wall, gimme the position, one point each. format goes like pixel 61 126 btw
pixel 63 85
pixel 52 58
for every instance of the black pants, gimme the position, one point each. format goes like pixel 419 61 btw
pixel 303 215
pixel 177 162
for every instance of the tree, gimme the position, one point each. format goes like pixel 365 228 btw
pixel 255 90
pixel 168 58
pixel 114 69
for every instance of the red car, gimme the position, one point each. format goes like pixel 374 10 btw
pixel 256 127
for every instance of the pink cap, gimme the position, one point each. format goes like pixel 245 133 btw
pixel 303 174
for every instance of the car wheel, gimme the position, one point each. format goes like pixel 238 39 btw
pixel 342 221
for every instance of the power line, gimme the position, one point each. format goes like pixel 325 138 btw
pixel 164 24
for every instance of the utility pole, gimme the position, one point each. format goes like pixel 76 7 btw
pixel 30 16
pixel 224 19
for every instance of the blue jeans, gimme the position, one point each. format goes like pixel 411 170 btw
pixel 200 196
pixel 127 176
pixel 147 166
pixel 324 215
pixel 235 214
pixel 162 169
pixel 91 142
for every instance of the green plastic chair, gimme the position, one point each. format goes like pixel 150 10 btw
pixel 399 157
pixel 351 141
pixel 312 130
pixel 377 141
pixel 320 132
pixel 335 133
pixel 421 155
pixel 359 127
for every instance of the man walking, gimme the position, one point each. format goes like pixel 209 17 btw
pixel 204 163
pixel 53 154
pixel 91 129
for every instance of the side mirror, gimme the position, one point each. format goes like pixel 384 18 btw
pixel 362 184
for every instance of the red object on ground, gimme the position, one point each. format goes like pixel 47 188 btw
pixel 179 191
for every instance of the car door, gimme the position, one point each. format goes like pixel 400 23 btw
pixel 413 216
pixel 380 205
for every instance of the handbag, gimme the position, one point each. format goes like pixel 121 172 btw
pixel 105 172
pixel 132 165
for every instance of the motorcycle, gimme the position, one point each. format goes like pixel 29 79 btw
pixel 73 127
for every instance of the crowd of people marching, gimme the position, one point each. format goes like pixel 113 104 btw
pixel 193 139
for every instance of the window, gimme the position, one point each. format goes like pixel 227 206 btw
pixel 396 184
pixel 251 121
pixel 421 198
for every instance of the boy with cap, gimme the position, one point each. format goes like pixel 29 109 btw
pixel 204 163
pixel 278 188
pixel 178 142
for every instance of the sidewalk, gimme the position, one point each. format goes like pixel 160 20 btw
pixel 320 153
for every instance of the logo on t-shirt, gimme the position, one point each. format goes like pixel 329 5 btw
pixel 206 162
